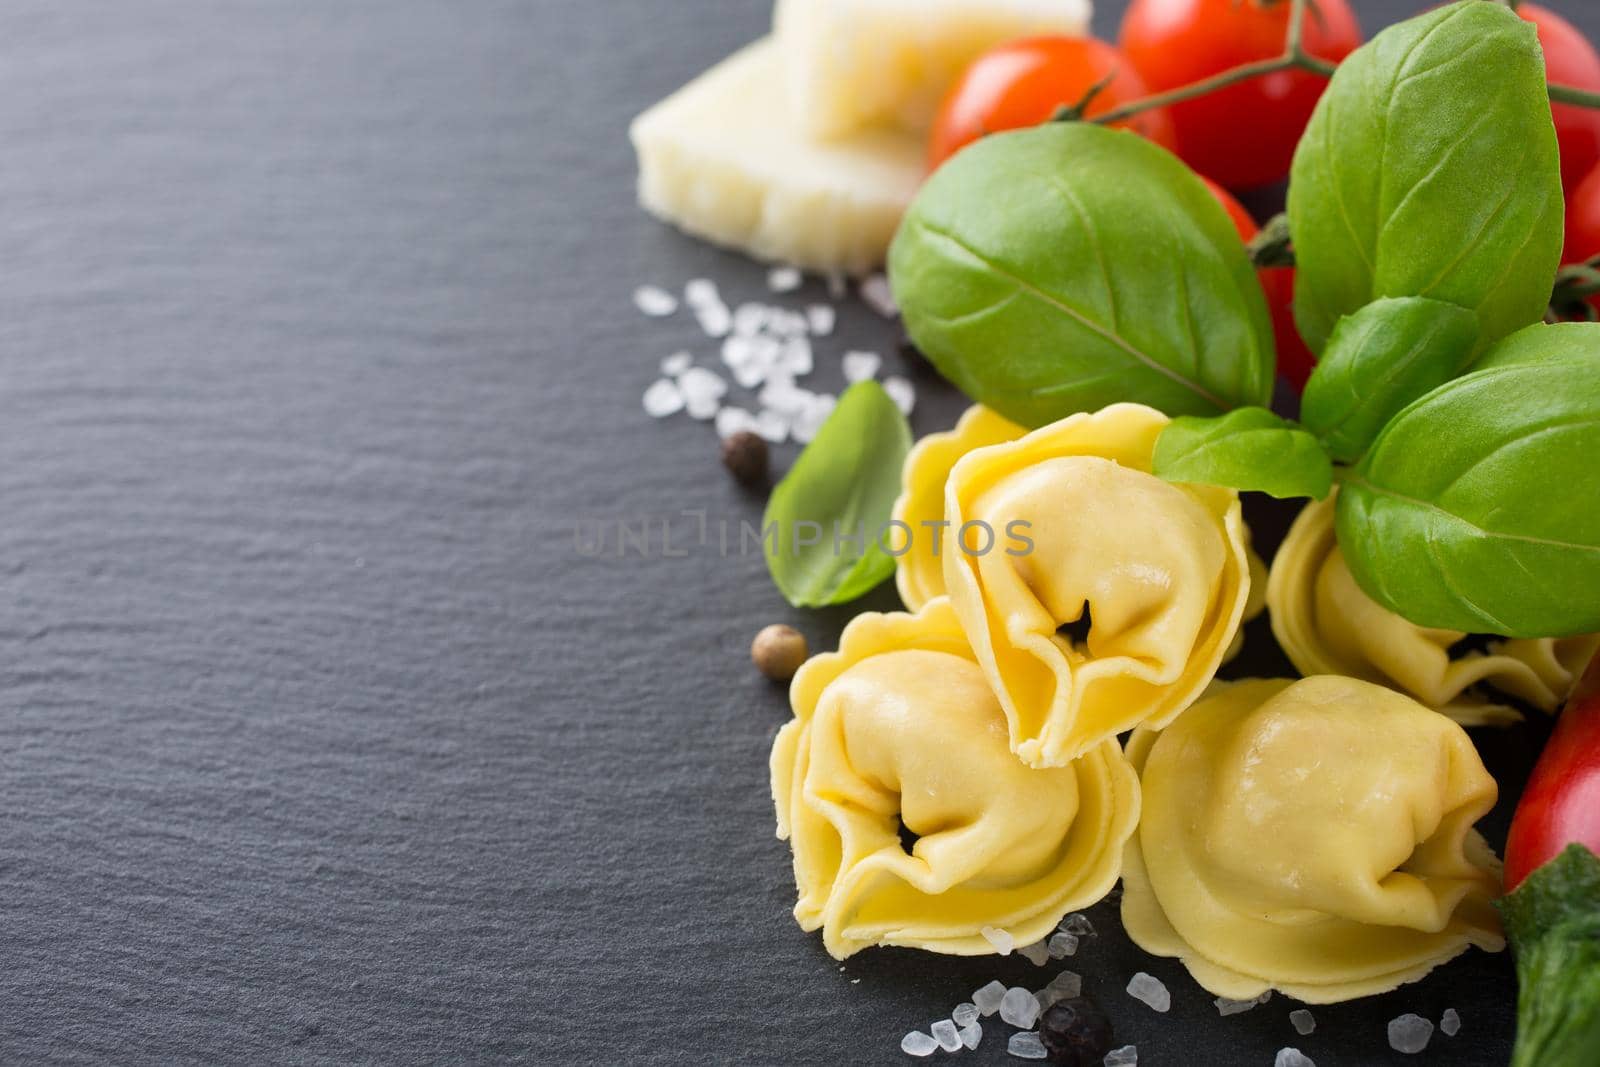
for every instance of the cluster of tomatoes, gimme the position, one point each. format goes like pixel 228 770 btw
pixel 1243 136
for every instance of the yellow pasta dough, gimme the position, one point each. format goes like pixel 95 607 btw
pixel 899 728
pixel 1328 625
pixel 1160 573
pixel 1313 837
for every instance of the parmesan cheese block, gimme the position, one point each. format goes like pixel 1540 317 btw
pixel 724 159
pixel 857 63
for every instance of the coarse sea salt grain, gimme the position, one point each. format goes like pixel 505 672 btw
pixel 794 358
pixel 820 319
pixel 784 279
pixel 944 1032
pixel 732 420
pixel 700 292
pixel 1148 989
pixel 715 320
pixel 1026 1046
pixel 965 1013
pixel 788 323
pixel 810 419
pixel 917 1043
pixel 1450 1022
pixel 654 301
pixel 1019 1008
pixel 772 426
pixel 1003 942
pixel 902 392
pixel 1063 986
pixel 971 1034
pixel 1410 1033
pixel 1077 923
pixel 987 998
pixel 1227 1007
pixel 703 391
pixel 879 297
pixel 663 398
pixel 1126 1056
pixel 1063 945
pixel 1292 1057
pixel 1037 953
pixel 749 319
pixel 676 364
pixel 859 366
pixel 1302 1021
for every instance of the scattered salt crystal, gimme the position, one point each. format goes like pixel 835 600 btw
pixel 784 279
pixel 944 1032
pixel 836 284
pixel 773 426
pixel 1227 1007
pixel 1019 1008
pixel 654 301
pixel 1450 1022
pixel 1063 986
pixel 703 391
pixel 987 999
pixel 782 395
pixel 1063 945
pixel 1077 923
pixel 1126 1056
pixel 971 1034
pixel 902 392
pixel 879 297
pixel 917 1043
pixel 1003 942
pixel 795 357
pixel 715 319
pixel 1147 989
pixel 700 292
pixel 749 319
pixel 1410 1033
pixel 821 319
pixel 808 421
pixel 1292 1057
pixel 663 398
pixel 1302 1021
pixel 965 1013
pixel 1037 953
pixel 734 420
pixel 676 364
pixel 859 366
pixel 1026 1046
pixel 787 323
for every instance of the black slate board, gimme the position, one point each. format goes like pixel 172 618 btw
pixel 320 742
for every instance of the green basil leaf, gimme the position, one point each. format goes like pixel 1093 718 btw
pixel 1553 920
pixel 1067 267
pixel 1250 449
pixel 1546 342
pixel 1430 168
pixel 1378 360
pixel 1475 508
pixel 825 522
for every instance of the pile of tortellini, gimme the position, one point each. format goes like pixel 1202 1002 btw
pixel 956 772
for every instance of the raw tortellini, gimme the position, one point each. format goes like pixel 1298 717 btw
pixel 1313 837
pixel 900 729
pixel 1328 625
pixel 1154 576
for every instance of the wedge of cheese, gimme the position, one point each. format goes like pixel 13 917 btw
pixel 856 63
pixel 724 159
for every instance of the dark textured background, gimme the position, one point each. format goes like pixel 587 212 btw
pixel 319 742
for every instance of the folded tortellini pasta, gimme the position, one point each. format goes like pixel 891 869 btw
pixel 1149 579
pixel 1313 837
pixel 1328 625
pixel 898 732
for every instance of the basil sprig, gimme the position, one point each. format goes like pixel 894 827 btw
pixel 1250 449
pixel 1067 267
pixel 824 530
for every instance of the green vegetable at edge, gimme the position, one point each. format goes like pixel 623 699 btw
pixel 1249 449
pixel 826 516
pixel 1553 920
pixel 1067 267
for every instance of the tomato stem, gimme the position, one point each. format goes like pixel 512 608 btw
pixel 1294 57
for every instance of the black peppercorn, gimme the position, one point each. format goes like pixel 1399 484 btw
pixel 1075 1032
pixel 745 456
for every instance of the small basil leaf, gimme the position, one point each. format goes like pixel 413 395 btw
pixel 1475 508
pixel 1430 168
pixel 824 525
pixel 1545 342
pixel 1378 360
pixel 1250 449
pixel 1067 267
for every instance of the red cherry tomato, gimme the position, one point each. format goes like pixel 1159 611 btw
pixel 1570 59
pixel 1561 804
pixel 1245 135
pixel 1583 220
pixel 1295 360
pixel 1023 83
